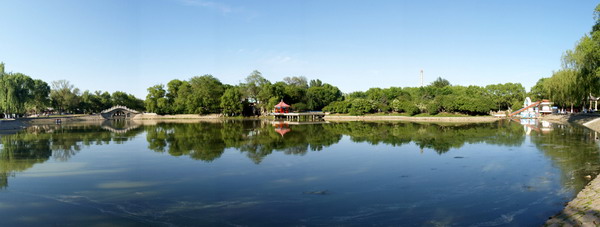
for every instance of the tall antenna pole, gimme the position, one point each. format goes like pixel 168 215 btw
pixel 421 78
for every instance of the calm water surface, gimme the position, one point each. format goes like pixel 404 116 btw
pixel 256 173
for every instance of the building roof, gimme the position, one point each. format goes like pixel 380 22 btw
pixel 282 105
pixel 282 131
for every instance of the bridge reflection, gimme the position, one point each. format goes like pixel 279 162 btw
pixel 120 126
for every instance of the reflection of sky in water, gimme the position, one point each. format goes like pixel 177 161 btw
pixel 346 183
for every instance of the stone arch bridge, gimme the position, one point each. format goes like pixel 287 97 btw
pixel 119 112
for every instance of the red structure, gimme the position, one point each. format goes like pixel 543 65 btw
pixel 282 107
pixel 282 128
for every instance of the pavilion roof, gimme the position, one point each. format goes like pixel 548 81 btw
pixel 282 104
pixel 282 131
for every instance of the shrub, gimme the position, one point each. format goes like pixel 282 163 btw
pixel 405 106
pixel 434 107
pixel 361 106
pixel 337 107
pixel 299 106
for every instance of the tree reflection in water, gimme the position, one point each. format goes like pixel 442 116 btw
pixel 207 141
pixel 36 144
pixel 573 149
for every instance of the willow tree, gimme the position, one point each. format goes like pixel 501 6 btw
pixel 15 90
pixel 563 88
pixel 584 60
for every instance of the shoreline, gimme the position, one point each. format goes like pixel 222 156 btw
pixel 411 119
pixel 584 209
pixel 13 125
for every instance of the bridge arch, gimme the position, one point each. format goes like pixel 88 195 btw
pixel 119 112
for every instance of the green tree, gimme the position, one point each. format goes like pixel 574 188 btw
pixel 129 100
pixel 584 59
pixel 298 81
pixel 231 102
pixel 178 94
pixel 39 93
pixel 405 106
pixel 105 100
pixel 338 107
pixel 64 96
pixel 204 95
pixel 504 95
pixel 258 91
pixel 563 88
pixel 434 106
pixel 315 83
pixel 253 85
pixel 538 91
pixel 15 90
pixel 320 96
pixel 156 100
pixel 361 106
pixel 440 82
pixel 89 102
pixel 172 94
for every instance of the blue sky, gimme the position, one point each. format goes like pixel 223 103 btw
pixel 131 45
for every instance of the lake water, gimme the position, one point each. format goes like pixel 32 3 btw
pixel 256 173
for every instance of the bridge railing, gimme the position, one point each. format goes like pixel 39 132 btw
pixel 119 107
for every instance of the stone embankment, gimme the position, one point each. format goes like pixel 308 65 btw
pixel 11 126
pixel 584 210
pixel 412 119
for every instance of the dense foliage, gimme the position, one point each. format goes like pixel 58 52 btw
pixel 438 97
pixel 20 95
pixel 579 77
pixel 257 95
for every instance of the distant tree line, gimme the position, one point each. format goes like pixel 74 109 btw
pixel 439 96
pixel 257 95
pixel 579 76
pixel 21 95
